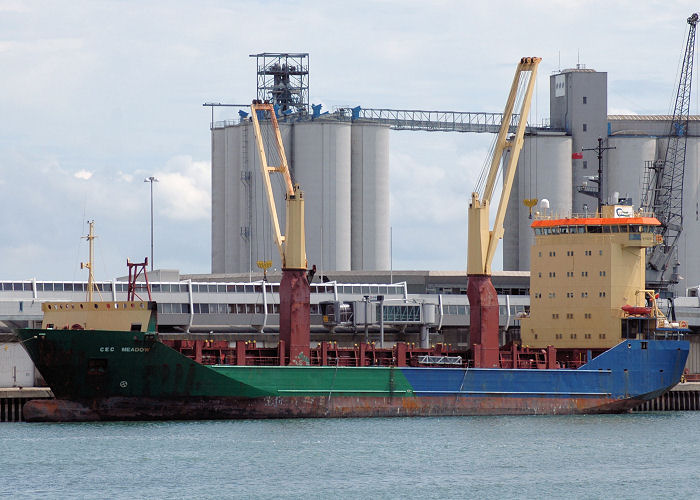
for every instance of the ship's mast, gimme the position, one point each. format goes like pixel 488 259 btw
pixel 90 264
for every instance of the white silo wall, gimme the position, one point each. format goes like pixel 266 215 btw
pixel 241 228
pixel 511 223
pixel 217 201
pixel 690 237
pixel 225 174
pixel 370 197
pixel 322 167
pixel 624 169
pixel 544 172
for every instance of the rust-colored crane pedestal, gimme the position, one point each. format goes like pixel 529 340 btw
pixel 483 321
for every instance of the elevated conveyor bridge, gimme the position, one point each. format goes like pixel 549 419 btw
pixel 398 119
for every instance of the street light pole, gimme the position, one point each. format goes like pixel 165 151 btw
pixel 151 179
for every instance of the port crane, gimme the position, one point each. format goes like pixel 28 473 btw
pixel 663 191
pixel 482 241
pixel 294 291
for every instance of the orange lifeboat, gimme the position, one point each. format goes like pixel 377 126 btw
pixel 637 310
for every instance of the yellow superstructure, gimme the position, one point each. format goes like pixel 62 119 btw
pixel 583 271
pixel 127 316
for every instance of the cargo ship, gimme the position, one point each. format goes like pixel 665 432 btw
pixel 132 375
pixel 107 360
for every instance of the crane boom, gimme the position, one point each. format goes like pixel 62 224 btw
pixel 482 241
pixel 294 290
pixel 482 244
pixel 663 193
pixel 291 245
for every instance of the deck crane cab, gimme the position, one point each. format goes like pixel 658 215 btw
pixel 482 241
pixel 295 319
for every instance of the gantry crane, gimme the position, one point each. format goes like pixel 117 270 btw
pixel 294 289
pixel 482 241
pixel 663 192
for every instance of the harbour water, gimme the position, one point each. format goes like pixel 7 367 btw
pixel 649 455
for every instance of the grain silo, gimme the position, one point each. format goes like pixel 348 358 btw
pixel 541 174
pixel 321 166
pixel 690 237
pixel 241 230
pixel 370 197
pixel 625 166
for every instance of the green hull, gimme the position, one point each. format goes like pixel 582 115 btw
pixel 107 375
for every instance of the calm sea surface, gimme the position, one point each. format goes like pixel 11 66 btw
pixel 653 455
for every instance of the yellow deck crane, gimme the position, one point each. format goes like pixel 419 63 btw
pixel 482 241
pixel 294 287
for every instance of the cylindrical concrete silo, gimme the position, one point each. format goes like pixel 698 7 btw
pixel 544 172
pixel 689 240
pixel 241 228
pixel 226 150
pixel 321 159
pixel 624 172
pixel 370 197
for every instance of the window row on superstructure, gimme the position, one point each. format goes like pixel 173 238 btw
pixel 597 229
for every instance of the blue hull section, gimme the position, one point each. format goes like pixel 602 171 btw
pixel 632 369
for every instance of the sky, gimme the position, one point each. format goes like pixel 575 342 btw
pixel 97 95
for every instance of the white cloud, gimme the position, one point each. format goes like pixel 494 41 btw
pixel 101 89
pixel 82 174
pixel 184 189
pixel 125 177
pixel 13 6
